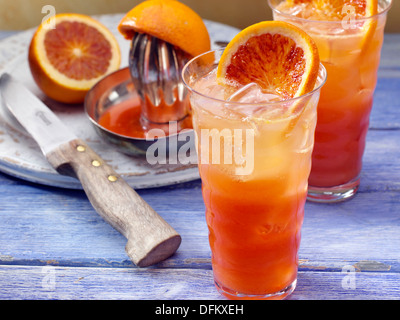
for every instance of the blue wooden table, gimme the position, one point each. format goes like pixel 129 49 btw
pixel 53 245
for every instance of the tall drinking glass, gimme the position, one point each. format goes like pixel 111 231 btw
pixel 254 161
pixel 350 51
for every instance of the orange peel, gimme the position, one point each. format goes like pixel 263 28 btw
pixel 168 20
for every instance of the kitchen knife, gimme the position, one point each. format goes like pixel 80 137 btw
pixel 150 238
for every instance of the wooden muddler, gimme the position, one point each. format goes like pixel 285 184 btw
pixel 150 238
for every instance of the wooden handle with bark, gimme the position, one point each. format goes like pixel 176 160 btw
pixel 150 238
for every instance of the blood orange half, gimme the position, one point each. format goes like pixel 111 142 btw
pixel 279 57
pixel 68 60
pixel 168 20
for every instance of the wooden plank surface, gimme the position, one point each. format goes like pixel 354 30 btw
pixel 62 225
pixel 51 234
pixel 79 283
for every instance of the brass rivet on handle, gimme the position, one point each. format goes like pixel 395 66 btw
pixel 81 148
pixel 96 163
pixel 112 178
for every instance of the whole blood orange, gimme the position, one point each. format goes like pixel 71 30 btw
pixel 67 61
pixel 168 20
pixel 279 57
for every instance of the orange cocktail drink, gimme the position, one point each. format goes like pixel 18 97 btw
pixel 254 152
pixel 349 45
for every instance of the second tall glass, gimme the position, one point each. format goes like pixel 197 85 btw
pixel 350 51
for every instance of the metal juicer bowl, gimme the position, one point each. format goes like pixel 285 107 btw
pixel 114 89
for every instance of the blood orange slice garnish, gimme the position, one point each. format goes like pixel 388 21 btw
pixel 279 57
pixel 68 60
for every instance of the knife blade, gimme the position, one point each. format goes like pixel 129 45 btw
pixel 150 238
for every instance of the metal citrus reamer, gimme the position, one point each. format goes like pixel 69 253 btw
pixel 165 35
pixel 155 67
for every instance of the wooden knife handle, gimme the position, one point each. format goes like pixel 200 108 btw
pixel 150 238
